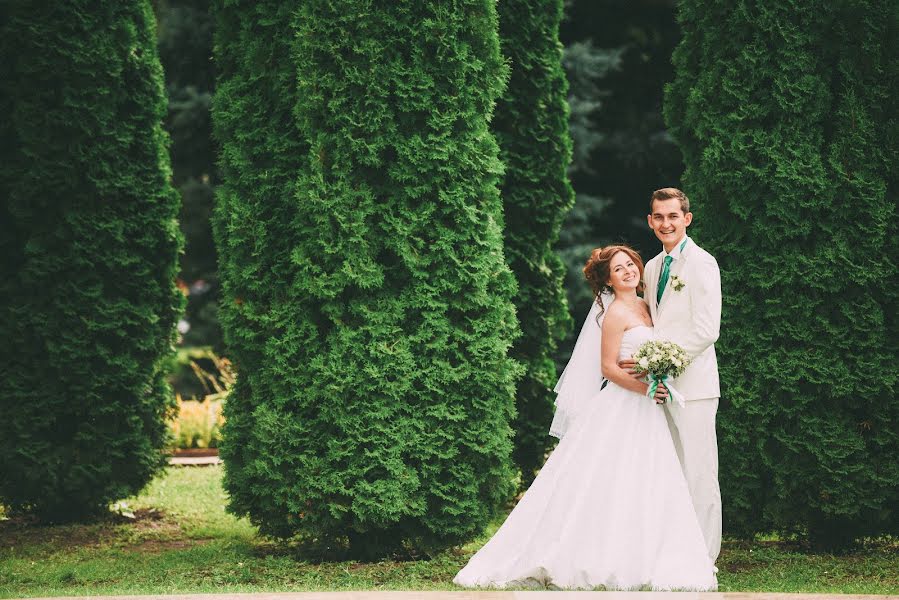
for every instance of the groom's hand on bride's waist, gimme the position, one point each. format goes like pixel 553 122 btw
pixel 628 365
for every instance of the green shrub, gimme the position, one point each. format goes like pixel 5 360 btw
pixel 531 126
pixel 368 304
pixel 90 246
pixel 787 118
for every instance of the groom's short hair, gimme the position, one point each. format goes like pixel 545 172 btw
pixel 669 193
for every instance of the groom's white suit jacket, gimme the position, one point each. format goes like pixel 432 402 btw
pixel 690 317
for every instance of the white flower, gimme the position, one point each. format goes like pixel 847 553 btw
pixel 183 326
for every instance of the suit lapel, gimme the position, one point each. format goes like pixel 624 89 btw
pixel 652 284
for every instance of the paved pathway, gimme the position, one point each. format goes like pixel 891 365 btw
pixel 496 596
pixel 194 461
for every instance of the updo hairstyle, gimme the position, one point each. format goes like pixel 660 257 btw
pixel 597 270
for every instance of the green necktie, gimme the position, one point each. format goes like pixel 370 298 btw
pixel 663 280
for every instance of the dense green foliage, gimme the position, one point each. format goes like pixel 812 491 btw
pixel 531 126
pixel 615 58
pixel 787 118
pixel 367 300
pixel 89 244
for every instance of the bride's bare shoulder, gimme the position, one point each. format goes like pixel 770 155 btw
pixel 615 316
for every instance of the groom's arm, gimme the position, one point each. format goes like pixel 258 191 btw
pixel 704 286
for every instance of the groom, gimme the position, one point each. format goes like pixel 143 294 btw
pixel 683 291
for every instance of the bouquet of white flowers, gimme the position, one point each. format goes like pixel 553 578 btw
pixel 662 360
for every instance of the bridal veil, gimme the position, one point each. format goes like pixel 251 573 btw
pixel 582 377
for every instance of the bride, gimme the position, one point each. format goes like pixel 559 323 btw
pixel 611 507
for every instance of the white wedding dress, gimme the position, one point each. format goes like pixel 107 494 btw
pixel 610 508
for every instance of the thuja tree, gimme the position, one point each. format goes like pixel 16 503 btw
pixel 255 230
pixel 531 126
pixel 90 247
pixel 786 115
pixel 368 304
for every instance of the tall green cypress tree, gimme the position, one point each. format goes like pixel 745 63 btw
pixel 786 115
pixel 531 126
pixel 254 226
pixel 368 304
pixel 90 249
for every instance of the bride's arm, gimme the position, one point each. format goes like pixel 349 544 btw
pixel 612 332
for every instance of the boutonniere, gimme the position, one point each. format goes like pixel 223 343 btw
pixel 677 283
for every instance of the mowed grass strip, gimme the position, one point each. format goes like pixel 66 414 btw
pixel 181 540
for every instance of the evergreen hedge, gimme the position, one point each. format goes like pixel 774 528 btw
pixel 531 126
pixel 367 301
pixel 90 244
pixel 786 115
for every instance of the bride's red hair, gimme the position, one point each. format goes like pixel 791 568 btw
pixel 597 269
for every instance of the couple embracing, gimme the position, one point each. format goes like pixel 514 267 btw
pixel 629 498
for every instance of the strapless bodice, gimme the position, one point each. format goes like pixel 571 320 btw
pixel 633 338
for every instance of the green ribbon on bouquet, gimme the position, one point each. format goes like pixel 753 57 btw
pixel 662 380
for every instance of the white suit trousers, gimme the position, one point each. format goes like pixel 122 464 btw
pixel 693 430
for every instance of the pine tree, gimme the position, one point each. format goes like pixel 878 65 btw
pixel 786 115
pixel 616 56
pixel 90 249
pixel 185 49
pixel 622 50
pixel 531 126
pixel 368 305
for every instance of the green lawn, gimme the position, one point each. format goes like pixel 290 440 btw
pixel 181 540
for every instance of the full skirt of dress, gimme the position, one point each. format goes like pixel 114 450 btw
pixel 609 509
